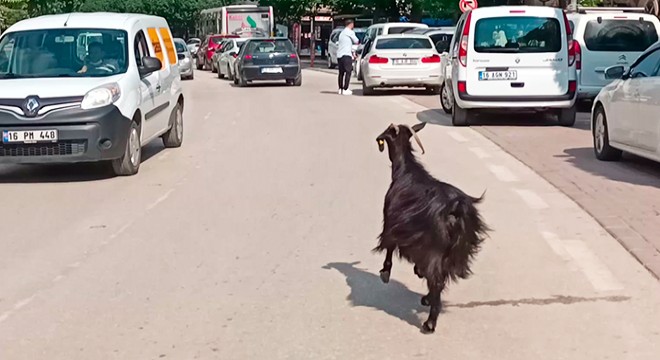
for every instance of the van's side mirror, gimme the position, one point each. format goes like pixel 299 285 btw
pixel 614 72
pixel 149 65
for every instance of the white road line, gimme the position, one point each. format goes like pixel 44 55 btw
pixel 533 200
pixel 480 153
pixel 121 230
pixel 502 173
pixel 58 278
pixel 596 272
pixel 75 264
pixel 207 116
pixel 23 302
pixel 160 199
pixel 555 244
pixel 457 136
pixel 5 316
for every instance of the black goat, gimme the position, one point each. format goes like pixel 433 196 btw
pixel 434 225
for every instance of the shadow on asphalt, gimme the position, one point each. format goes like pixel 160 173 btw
pixel 438 117
pixel 60 173
pixel 630 169
pixel 367 290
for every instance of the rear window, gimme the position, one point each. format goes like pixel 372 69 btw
pixel 619 35
pixel 517 34
pixel 270 46
pixel 403 43
pixel 399 29
pixel 180 47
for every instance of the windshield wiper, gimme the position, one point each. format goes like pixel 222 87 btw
pixel 8 76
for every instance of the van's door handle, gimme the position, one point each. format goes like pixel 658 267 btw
pixel 158 87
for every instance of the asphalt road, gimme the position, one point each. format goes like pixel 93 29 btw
pixel 253 241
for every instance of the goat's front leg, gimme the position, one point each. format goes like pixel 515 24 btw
pixel 433 298
pixel 387 266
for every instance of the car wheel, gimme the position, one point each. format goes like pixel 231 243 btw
pixel 330 64
pixel 602 147
pixel 173 138
pixel 214 69
pixel 566 117
pixel 295 82
pixel 367 90
pixel 242 82
pixel 445 99
pixel 230 76
pixel 359 75
pixel 129 162
pixel 460 116
pixel 199 66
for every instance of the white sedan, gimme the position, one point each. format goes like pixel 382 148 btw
pixel 400 60
pixel 625 112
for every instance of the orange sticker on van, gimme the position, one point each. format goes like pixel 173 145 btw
pixel 155 41
pixel 169 44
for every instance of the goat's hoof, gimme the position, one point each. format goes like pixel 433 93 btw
pixel 385 276
pixel 428 327
pixel 425 300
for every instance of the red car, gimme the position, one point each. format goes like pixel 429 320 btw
pixel 210 45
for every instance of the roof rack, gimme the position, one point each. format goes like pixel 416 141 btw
pixel 585 9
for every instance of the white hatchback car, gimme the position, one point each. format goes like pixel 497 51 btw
pixel 64 99
pixel 625 112
pixel 333 44
pixel 606 37
pixel 400 60
pixel 226 59
pixel 510 58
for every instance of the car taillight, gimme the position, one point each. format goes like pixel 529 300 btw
pixel 431 59
pixel 462 87
pixel 572 86
pixel 247 57
pixel 293 56
pixel 577 53
pixel 573 46
pixel 378 60
pixel 462 51
pixel 234 55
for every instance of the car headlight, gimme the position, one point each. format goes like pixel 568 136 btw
pixel 101 96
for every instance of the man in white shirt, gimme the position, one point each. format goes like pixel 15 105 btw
pixel 345 57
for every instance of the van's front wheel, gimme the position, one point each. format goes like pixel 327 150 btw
pixel 129 162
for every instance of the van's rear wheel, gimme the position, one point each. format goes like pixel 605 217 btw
pixel 460 116
pixel 566 117
pixel 129 162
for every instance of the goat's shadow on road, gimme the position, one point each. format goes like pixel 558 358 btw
pixel 367 290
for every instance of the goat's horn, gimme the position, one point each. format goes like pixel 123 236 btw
pixel 396 128
pixel 419 142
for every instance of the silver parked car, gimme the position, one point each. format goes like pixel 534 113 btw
pixel 186 61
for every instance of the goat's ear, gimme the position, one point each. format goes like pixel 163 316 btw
pixel 419 126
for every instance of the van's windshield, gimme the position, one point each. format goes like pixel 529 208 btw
pixel 517 34
pixel 63 53
pixel 620 35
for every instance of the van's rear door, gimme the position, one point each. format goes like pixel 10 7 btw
pixel 518 52
pixel 618 39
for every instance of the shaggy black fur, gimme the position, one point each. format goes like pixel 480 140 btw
pixel 434 225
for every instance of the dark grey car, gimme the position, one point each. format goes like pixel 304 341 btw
pixel 269 59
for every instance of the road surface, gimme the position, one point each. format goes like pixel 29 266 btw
pixel 254 241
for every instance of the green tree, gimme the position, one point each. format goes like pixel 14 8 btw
pixel 12 11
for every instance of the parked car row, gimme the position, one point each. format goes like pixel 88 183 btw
pixel 245 60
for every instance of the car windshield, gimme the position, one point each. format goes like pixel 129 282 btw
pixel 180 47
pixel 63 53
pixel 360 36
pixel 403 43
pixel 620 35
pixel 270 46
pixel 216 40
pixel 441 41
pixel 524 34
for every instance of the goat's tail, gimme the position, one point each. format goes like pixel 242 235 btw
pixel 466 230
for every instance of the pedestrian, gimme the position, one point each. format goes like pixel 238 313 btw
pixel 345 57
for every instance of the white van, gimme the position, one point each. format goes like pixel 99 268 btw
pixel 376 30
pixel 607 37
pixel 513 58
pixel 61 102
